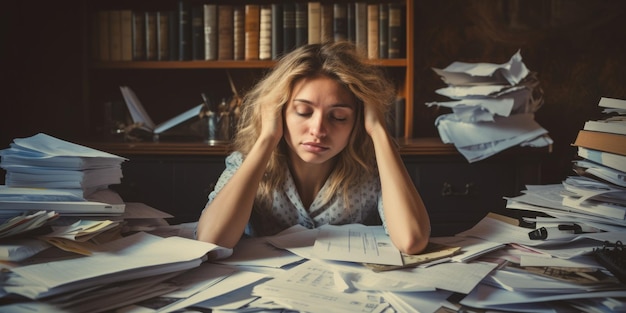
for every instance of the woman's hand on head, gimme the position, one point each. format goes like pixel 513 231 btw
pixel 271 122
pixel 372 119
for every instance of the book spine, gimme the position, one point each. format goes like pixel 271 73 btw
pixel 360 20
pixel 611 160
pixel 395 39
pixel 350 22
pixel 252 29
pixel 289 26
pixel 239 32
pixel 173 34
pixel 314 18
pixel 197 33
pixel 265 32
pixel 184 30
pixel 115 35
pixel 127 35
pixel 326 23
pixel 614 127
pixel 277 30
pixel 225 26
pixel 372 31
pixel 383 30
pixel 151 36
pixel 210 31
pixel 340 21
pixel 607 142
pixel 104 52
pixel 612 103
pixel 301 24
pixel 163 52
pixel 139 35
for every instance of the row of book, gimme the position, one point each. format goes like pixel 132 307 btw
pixel 246 32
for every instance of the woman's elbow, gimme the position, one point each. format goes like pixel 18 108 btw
pixel 412 244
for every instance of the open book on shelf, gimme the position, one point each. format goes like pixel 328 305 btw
pixel 141 117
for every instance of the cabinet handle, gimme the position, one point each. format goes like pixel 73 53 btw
pixel 447 190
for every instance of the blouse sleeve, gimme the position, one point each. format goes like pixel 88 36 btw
pixel 233 162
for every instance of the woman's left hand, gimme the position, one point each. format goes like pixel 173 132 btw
pixel 372 118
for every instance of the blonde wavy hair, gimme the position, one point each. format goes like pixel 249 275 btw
pixel 339 61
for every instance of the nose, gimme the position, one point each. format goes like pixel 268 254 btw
pixel 317 127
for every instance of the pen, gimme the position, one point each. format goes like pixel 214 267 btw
pixel 560 232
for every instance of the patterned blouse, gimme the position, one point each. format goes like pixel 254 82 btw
pixel 365 205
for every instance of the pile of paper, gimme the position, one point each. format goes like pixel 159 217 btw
pixel 46 176
pixel 492 109
pixel 43 161
pixel 595 199
pixel 123 271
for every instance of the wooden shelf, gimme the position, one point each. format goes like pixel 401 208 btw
pixel 215 64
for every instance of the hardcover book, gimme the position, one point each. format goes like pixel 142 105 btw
pixel 340 21
pixel 350 22
pixel 607 142
pixel 252 31
pixel 314 19
pixel 127 34
pixel 151 36
pixel 277 30
pixel 383 30
pixel 210 31
pixel 163 44
pixel 289 26
pixel 326 22
pixel 239 32
pixel 265 32
pixel 184 30
pixel 139 35
pixel 360 20
pixel 225 26
pixel 372 31
pixel 173 35
pixel 302 12
pixel 395 37
pixel 197 33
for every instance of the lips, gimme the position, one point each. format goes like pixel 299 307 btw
pixel 314 147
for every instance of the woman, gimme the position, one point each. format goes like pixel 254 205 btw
pixel 313 149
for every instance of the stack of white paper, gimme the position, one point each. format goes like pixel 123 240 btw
pixel 46 174
pixel 43 161
pixel 124 261
pixel 492 109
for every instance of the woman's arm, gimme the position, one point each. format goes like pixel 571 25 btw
pixel 406 217
pixel 224 220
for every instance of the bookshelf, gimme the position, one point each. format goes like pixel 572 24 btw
pixel 167 87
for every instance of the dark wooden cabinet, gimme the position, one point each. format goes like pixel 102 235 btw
pixel 178 185
pixel 178 177
pixel 458 194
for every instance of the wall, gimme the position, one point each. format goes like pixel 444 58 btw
pixel 576 47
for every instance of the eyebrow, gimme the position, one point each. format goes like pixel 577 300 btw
pixel 336 105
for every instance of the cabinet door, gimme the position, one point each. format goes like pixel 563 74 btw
pixel 458 194
pixel 176 185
